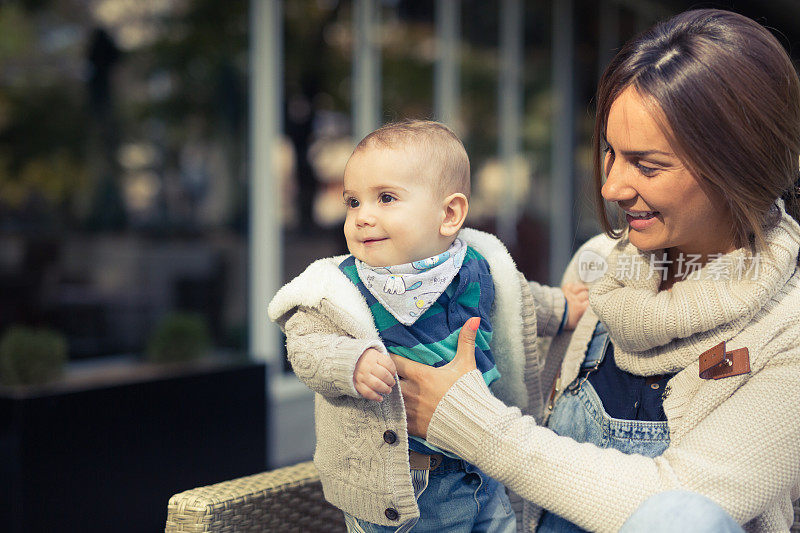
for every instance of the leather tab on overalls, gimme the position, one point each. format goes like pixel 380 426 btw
pixel 716 363
pixel 421 461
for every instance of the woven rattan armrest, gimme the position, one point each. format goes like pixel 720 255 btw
pixel 286 499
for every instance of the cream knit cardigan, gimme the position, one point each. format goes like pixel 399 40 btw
pixel 328 326
pixel 735 440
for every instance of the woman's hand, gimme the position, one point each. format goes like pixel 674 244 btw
pixel 424 386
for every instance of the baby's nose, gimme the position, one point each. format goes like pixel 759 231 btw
pixel 365 217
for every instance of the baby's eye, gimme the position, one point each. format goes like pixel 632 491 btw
pixel 386 198
pixel 351 202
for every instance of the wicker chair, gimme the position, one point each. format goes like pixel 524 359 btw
pixel 286 499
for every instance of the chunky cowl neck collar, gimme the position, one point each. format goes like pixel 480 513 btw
pixel 657 332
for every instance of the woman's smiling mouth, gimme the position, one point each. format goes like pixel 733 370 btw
pixel 640 220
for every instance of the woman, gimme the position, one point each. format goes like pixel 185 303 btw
pixel 697 140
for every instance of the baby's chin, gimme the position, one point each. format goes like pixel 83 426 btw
pixel 382 264
pixel 370 262
pixel 374 262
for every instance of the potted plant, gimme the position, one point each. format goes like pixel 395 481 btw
pixel 179 337
pixel 30 356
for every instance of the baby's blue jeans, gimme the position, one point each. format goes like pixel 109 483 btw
pixel 454 497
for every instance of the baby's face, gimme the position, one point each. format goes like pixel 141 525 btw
pixel 393 215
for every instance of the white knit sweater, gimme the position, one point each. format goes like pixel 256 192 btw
pixel 735 440
pixel 328 326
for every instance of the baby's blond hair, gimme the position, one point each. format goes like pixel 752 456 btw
pixel 441 155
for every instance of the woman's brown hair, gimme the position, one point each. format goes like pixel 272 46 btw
pixel 731 100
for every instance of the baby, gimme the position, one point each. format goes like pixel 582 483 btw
pixel 413 279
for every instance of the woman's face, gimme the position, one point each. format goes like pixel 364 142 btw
pixel 665 206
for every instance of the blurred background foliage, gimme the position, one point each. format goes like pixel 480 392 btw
pixel 103 102
pixel 124 131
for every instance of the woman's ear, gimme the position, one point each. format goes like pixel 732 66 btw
pixel 455 212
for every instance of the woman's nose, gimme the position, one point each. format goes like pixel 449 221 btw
pixel 618 186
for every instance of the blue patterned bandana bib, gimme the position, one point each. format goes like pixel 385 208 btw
pixel 408 290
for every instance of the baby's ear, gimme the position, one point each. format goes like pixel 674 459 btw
pixel 455 212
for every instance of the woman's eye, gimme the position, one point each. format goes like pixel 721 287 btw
pixel 386 198
pixel 645 170
pixel 351 202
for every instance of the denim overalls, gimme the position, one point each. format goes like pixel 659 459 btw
pixel 579 414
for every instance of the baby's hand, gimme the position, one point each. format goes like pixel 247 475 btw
pixel 577 296
pixel 374 374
